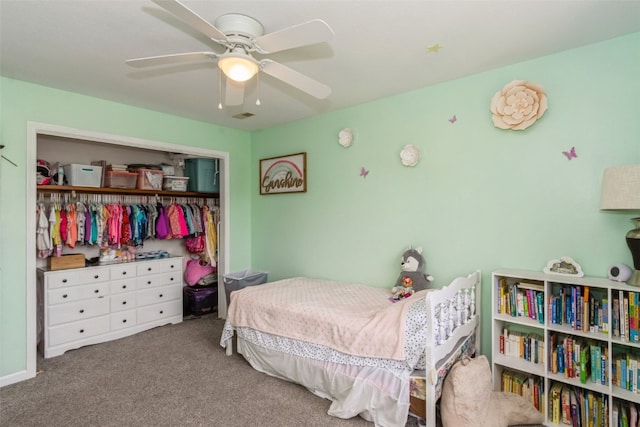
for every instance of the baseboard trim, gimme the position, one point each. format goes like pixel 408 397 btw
pixel 13 378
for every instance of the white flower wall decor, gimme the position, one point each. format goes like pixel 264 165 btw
pixel 410 155
pixel 518 105
pixel 345 137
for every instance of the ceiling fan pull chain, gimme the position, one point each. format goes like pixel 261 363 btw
pixel 258 89
pixel 219 90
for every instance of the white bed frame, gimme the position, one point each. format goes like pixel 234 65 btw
pixel 462 300
pixel 455 309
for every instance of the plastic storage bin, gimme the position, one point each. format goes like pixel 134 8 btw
pixel 175 183
pixel 83 175
pixel 120 179
pixel 149 179
pixel 242 279
pixel 204 175
pixel 199 301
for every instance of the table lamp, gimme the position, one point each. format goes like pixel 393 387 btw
pixel 621 191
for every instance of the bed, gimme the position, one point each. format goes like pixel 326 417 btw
pixel 350 344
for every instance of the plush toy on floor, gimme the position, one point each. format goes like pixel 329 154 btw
pixel 413 277
pixel 468 399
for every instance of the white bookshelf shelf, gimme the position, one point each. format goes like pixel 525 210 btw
pixel 610 345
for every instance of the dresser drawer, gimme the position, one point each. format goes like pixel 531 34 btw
pixel 159 311
pixel 146 282
pixel 159 294
pixel 78 330
pixel 123 319
pixel 62 313
pixel 126 301
pixel 126 285
pixel 80 276
pixel 159 266
pixel 122 271
pixel 76 293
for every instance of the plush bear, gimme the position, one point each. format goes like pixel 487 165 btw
pixel 413 277
pixel 468 399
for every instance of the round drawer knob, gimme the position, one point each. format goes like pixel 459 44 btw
pixel 124 303
pixel 124 273
pixel 161 311
pixel 81 310
pixel 171 279
pixel 82 331
pixel 172 266
pixel 124 320
pixel 96 276
pixel 97 291
pixel 64 280
pixel 149 282
pixel 160 295
pixel 124 286
pixel 64 296
pixel 149 269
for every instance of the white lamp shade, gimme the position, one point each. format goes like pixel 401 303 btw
pixel 621 188
pixel 238 68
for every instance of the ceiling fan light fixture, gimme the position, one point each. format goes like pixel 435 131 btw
pixel 238 68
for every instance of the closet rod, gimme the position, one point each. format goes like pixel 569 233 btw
pixel 129 198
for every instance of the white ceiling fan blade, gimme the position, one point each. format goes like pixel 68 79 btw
pixel 234 93
pixel 193 19
pixel 311 32
pixel 295 79
pixel 171 59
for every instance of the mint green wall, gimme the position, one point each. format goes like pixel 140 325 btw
pixel 481 198
pixel 21 102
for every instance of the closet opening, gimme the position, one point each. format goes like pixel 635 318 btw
pixel 62 145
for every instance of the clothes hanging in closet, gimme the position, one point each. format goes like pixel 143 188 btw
pixel 119 224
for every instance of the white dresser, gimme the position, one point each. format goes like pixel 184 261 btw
pixel 84 306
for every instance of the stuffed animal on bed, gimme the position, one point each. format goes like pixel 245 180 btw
pixel 413 277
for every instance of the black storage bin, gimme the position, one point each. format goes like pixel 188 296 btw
pixel 200 300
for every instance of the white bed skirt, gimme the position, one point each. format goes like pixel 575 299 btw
pixel 375 394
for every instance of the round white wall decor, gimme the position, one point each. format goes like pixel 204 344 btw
pixel 345 137
pixel 410 155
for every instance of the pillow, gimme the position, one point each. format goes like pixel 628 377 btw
pixel 468 399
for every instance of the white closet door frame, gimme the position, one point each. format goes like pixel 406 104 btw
pixel 33 130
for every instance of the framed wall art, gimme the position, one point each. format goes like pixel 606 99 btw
pixel 284 174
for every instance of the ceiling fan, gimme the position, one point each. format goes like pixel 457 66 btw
pixel 242 35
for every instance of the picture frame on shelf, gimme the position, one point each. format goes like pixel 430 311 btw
pixel 564 266
pixel 284 174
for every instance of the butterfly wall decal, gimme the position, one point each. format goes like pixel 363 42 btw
pixel 571 154
pixel 364 172
pixel 453 119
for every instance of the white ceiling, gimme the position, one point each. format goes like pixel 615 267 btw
pixel 380 48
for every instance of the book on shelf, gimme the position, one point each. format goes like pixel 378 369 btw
pixel 615 317
pixel 633 415
pixel 565 405
pixel 605 316
pixel 540 306
pixel 626 319
pixel 623 321
pixel 584 363
pixel 633 331
pixel 554 402
pixel 573 403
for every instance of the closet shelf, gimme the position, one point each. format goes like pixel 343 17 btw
pixel 124 191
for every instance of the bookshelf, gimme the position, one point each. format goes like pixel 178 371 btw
pixel 569 344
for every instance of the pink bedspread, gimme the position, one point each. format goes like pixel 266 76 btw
pixel 354 319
